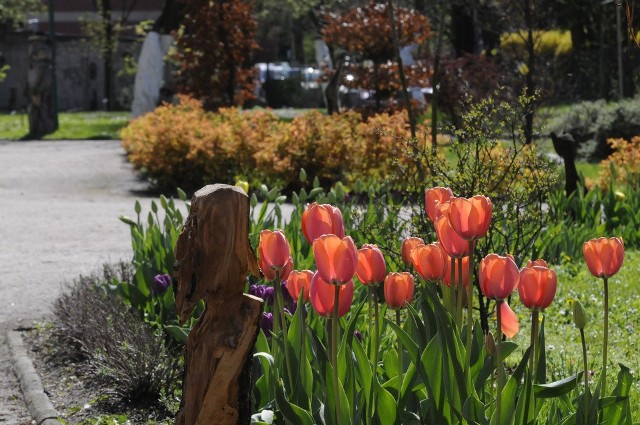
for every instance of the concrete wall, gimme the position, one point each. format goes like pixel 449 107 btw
pixel 80 73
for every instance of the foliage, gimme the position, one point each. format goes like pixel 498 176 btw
pixel 15 12
pixel 124 355
pixel 550 42
pixel 184 146
pixel 153 244
pixel 213 50
pixel 585 215
pixel 622 167
pixel 366 33
pixel 592 123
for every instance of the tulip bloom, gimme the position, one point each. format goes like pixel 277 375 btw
pixel 299 281
pixel 324 219
pixel 470 218
pixel 509 321
pixel 408 245
pixel 449 239
pixel 322 296
pixel 433 197
pixel 604 256
pixel 336 258
pixel 499 276
pixel 270 273
pixel 430 261
pixel 465 273
pixel 371 268
pixel 161 283
pixel 398 289
pixel 537 286
pixel 274 250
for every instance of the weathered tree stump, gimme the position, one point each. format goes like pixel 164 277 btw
pixel 213 256
pixel 567 148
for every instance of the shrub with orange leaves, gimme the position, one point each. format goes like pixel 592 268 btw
pixel 185 146
pixel 622 167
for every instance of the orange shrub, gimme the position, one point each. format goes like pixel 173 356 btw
pixel 184 146
pixel 624 162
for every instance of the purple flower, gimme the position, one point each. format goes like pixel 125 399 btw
pixel 266 323
pixel 286 297
pixel 160 283
pixel 358 335
pixel 267 294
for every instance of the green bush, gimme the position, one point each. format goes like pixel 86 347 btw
pixel 592 123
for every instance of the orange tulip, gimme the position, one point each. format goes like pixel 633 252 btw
pixel 537 285
pixel 433 197
pixel 274 251
pixel 408 245
pixel 465 272
pixel 336 258
pixel 509 321
pixel 270 273
pixel 371 268
pixel 299 281
pixel 499 276
pixel 322 296
pixel 539 262
pixel 430 261
pixel 470 218
pixel 398 289
pixel 324 219
pixel 604 256
pixel 450 240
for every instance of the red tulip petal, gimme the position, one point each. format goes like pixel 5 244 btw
pixel 508 320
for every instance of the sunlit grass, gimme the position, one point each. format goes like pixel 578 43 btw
pixel 72 125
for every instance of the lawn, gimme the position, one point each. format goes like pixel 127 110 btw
pixel 73 125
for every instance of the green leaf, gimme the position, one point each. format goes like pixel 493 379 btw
pixel 385 405
pixel 293 414
pixel 178 333
pixel 473 411
pixel 557 388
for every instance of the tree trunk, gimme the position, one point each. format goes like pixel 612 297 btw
pixel 42 117
pixel 107 54
pixel 566 148
pixel 213 256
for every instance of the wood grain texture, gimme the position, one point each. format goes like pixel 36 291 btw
pixel 213 256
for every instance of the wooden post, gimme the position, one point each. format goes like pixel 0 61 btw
pixel 213 256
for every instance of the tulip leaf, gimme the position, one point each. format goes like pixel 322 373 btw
pixel 473 411
pixel 407 342
pixel 178 333
pixel 541 368
pixel 557 388
pixel 385 404
pixel 330 406
pixel 363 371
pixel 619 411
pixel 293 414
pixel 390 362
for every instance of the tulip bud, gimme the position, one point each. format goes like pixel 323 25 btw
pixel 579 316
pixel 490 344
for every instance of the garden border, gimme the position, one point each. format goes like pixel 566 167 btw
pixel 38 404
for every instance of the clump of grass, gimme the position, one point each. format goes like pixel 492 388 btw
pixel 121 352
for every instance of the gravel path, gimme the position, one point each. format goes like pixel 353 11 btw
pixel 59 208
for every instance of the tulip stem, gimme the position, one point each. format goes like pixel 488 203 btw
pixel 586 379
pixel 460 292
pixel 606 336
pixel 334 352
pixel 467 356
pixel 283 324
pixel 533 360
pixel 376 335
pixel 399 323
pixel 452 289
pixel 499 360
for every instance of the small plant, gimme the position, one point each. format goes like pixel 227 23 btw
pixel 122 353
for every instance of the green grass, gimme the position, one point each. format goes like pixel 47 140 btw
pixel 564 352
pixel 72 125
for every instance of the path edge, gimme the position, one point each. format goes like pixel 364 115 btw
pixel 38 404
